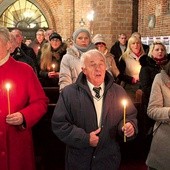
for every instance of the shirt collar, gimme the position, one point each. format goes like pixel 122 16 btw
pixel 91 87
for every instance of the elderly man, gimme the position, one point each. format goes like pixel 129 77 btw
pixel 89 116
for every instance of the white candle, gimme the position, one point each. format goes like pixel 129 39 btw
pixel 8 86
pixel 124 102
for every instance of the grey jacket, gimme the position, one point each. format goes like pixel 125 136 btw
pixel 159 110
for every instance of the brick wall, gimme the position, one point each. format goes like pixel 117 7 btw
pixel 111 16
pixel 158 8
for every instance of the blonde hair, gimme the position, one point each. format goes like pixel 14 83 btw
pixel 46 57
pixel 132 39
pixel 152 46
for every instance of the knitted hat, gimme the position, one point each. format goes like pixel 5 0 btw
pixel 55 35
pixel 77 32
pixel 98 38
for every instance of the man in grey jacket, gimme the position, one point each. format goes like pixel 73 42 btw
pixel 88 122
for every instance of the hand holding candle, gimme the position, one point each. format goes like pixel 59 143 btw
pixel 124 102
pixel 53 67
pixel 8 86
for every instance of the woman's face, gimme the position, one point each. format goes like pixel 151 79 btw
pixel 101 47
pixel 136 47
pixel 55 43
pixel 83 39
pixel 158 51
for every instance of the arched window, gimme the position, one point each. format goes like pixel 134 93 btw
pixel 24 15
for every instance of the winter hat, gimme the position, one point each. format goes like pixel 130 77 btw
pixel 98 38
pixel 55 35
pixel 77 32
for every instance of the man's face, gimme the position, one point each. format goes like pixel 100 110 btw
pixel 18 36
pixel 40 36
pixel 122 39
pixel 13 44
pixel 95 69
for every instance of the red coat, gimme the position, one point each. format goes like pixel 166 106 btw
pixel 27 97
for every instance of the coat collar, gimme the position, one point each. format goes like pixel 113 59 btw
pixel 165 78
pixel 82 81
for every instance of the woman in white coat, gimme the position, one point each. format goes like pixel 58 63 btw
pixel 159 110
pixel 70 64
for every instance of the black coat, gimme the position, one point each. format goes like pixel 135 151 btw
pixel 19 55
pixel 116 51
pixel 149 69
pixel 30 52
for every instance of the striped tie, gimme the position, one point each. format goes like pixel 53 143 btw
pixel 97 91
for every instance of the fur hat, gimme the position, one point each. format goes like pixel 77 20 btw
pixel 98 38
pixel 55 35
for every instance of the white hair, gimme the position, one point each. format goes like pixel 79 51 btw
pixel 89 54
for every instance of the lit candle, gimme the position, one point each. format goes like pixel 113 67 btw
pixel 124 102
pixel 8 86
pixel 53 66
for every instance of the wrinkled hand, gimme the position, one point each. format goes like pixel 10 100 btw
pixel 128 129
pixel 15 118
pixel 94 139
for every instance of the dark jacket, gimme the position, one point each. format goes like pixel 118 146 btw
pixel 149 69
pixel 116 51
pixel 30 52
pixel 19 55
pixel 146 48
pixel 75 117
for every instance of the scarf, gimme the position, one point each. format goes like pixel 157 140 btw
pixel 84 49
pixel 161 61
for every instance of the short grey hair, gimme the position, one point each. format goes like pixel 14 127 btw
pixel 4 34
pixel 89 54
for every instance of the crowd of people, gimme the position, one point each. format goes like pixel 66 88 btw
pixel 92 81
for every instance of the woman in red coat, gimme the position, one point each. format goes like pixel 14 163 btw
pixel 22 105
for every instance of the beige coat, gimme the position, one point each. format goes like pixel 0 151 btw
pixel 159 110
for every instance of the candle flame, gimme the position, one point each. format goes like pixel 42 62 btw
pixel 8 86
pixel 53 66
pixel 124 102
